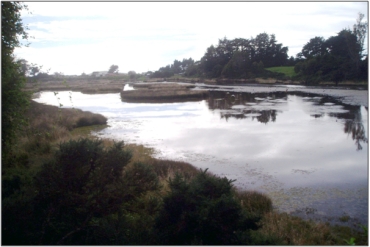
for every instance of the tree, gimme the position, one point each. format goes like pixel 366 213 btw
pixel 315 47
pixel 336 59
pixel 132 74
pixel 14 100
pixel 238 66
pixel 113 69
pixel 34 70
pixel 360 29
pixel 266 49
pixel 23 66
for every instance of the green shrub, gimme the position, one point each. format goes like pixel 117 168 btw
pixel 82 183
pixel 201 211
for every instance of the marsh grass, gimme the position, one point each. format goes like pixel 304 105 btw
pixel 165 169
pixel 47 127
pixel 87 85
pixel 161 92
pixel 295 231
pixel 291 230
pixel 254 202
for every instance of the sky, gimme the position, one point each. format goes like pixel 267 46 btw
pixel 82 37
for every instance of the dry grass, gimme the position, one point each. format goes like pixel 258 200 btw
pixel 295 231
pixel 88 85
pixel 47 118
pixel 254 202
pixel 161 92
pixel 48 126
pixel 165 169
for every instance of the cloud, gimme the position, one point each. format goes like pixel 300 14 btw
pixel 149 35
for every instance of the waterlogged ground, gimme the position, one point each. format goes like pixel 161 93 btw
pixel 308 152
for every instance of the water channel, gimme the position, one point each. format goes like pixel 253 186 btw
pixel 308 152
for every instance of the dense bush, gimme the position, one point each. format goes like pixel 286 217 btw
pixel 76 192
pixel 14 101
pixel 202 211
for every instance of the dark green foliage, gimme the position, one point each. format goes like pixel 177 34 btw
pixel 140 178
pixel 243 58
pixel 11 26
pixel 84 195
pixel 113 69
pixel 336 59
pixel 315 47
pixel 237 58
pixel 186 66
pixel 82 182
pixel 14 101
pixel 257 238
pixel 202 211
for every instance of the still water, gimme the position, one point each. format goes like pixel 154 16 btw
pixel 309 153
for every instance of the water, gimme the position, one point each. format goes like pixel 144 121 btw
pixel 307 152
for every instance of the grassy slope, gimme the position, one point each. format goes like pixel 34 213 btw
pixel 286 70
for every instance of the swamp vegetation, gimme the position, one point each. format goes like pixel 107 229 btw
pixel 64 186
pixel 60 185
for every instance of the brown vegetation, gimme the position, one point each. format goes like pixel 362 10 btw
pixel 87 85
pixel 161 92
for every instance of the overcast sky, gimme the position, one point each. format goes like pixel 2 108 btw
pixel 77 37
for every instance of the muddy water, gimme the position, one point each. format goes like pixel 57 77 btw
pixel 309 153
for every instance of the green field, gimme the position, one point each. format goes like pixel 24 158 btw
pixel 286 70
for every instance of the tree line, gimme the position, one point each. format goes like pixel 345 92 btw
pixel 237 58
pixel 339 58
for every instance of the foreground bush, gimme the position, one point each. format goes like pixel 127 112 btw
pixel 82 187
pixel 202 211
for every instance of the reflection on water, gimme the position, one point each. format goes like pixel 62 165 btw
pixel 265 107
pixel 246 105
pixel 302 150
pixel 357 130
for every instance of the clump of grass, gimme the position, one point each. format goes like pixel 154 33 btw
pixel 165 169
pixel 46 117
pixel 140 153
pixel 168 168
pixel 254 202
pixel 344 218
